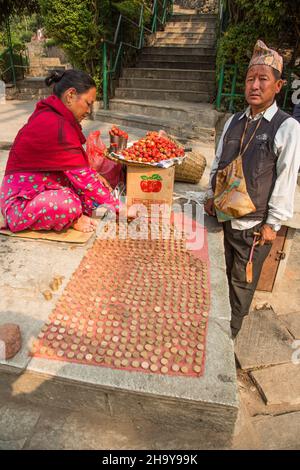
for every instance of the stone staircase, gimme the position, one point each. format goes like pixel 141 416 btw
pixel 33 87
pixel 173 82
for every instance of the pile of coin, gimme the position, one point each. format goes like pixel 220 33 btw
pixel 135 305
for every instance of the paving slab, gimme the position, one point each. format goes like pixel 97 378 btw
pixel 16 424
pixel 292 322
pixel 244 435
pixel 89 431
pixel 279 432
pixel 279 385
pixel 263 341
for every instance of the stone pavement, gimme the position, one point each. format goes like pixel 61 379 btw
pixel 268 356
pixel 38 412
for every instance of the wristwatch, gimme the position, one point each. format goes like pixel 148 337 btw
pixel 274 227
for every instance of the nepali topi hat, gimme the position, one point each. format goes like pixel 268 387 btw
pixel 263 55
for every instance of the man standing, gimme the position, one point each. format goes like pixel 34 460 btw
pixel 253 179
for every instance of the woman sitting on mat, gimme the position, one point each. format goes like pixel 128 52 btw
pixel 48 184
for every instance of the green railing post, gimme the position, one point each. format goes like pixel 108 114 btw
pixel 154 21
pixel 172 7
pixel 104 73
pixel 220 87
pixel 233 85
pixel 10 48
pixel 287 89
pixel 141 26
pixel 164 16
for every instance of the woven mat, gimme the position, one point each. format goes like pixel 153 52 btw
pixel 68 236
pixel 137 305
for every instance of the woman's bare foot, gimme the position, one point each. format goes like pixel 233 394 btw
pixel 85 224
pixel 94 223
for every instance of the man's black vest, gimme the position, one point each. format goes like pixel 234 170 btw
pixel 259 160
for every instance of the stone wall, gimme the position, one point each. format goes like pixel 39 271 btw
pixel 204 6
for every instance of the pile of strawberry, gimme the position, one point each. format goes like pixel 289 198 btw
pixel 152 149
pixel 115 131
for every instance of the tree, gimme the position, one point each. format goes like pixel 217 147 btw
pixel 79 27
pixel 16 7
pixel 276 22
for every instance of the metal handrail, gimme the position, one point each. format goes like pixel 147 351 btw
pixel 119 45
pixel 13 66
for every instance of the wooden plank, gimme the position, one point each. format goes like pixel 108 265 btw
pixel 271 264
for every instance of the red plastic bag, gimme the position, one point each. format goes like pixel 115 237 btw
pixel 96 150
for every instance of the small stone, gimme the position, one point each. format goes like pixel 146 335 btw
pixel 10 340
pixel 47 294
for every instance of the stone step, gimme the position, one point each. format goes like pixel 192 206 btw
pixel 174 64
pixel 170 95
pixel 46 61
pixel 185 34
pixel 33 83
pixel 148 123
pixel 32 96
pixel 181 119
pixel 177 74
pixel 161 42
pixel 209 58
pixel 190 26
pixel 35 91
pixel 191 18
pixel 142 122
pixel 180 9
pixel 161 110
pixel 167 84
pixel 178 51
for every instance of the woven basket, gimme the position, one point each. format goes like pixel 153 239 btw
pixel 192 169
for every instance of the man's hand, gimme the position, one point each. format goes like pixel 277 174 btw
pixel 268 235
pixel 209 207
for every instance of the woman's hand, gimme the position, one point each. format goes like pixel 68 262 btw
pixel 209 207
pixel 105 183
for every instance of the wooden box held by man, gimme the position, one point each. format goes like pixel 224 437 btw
pixel 48 182
pixel 253 179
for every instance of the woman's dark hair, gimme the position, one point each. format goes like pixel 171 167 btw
pixel 81 81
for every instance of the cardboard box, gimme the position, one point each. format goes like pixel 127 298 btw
pixel 150 185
